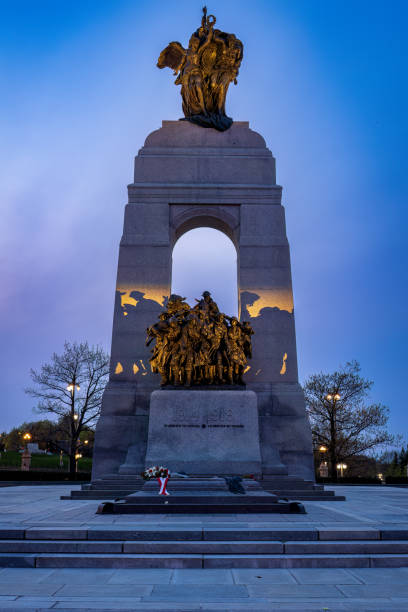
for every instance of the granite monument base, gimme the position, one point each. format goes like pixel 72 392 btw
pixel 204 432
pixel 201 496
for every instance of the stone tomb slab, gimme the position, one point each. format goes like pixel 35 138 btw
pixel 204 432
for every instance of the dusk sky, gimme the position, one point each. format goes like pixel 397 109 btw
pixel 325 84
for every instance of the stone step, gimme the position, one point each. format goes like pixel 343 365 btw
pixel 222 547
pixel 113 487
pixel 91 494
pixel 292 486
pixel 206 561
pixel 181 507
pixel 294 493
pixel 110 494
pixel 117 482
pixel 122 533
pixel 312 498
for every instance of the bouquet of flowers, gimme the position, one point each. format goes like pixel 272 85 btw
pixel 157 471
pixel 161 473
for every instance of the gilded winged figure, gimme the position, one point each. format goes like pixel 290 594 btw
pixel 204 71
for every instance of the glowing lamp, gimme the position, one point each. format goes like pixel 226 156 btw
pixel 72 387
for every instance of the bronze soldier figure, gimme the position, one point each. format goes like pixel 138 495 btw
pixel 199 345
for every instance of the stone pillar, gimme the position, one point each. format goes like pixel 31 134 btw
pixel 25 460
pixel 187 177
pixel 143 285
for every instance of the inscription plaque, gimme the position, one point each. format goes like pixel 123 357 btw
pixel 204 432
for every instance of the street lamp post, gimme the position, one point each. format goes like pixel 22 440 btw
pixel 333 398
pixel 72 388
pixel 26 456
pixel 323 469
pixel 341 467
pixel 77 457
pixel 27 437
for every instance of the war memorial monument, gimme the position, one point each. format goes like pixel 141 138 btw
pixel 191 388
pixel 210 395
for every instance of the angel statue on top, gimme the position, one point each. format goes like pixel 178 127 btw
pixel 204 71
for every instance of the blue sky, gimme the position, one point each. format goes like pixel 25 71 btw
pixel 323 82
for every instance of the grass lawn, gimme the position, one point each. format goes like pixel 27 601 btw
pixel 12 459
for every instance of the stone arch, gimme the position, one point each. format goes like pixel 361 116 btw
pixel 225 219
pixel 205 258
pixel 184 218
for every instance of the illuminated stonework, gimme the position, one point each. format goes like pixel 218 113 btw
pixel 283 368
pixel 270 298
pixel 146 293
pixel 119 368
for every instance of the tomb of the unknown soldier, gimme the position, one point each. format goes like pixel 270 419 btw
pixel 203 493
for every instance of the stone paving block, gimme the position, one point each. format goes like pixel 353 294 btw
pixel 33 604
pixel 57 533
pixel 326 561
pixel 143 576
pixel 345 533
pixel 125 604
pixel 372 575
pixel 394 534
pixel 374 590
pixel 281 535
pixel 95 603
pixel 28 575
pixel 118 562
pixel 255 576
pixel 242 561
pixel 32 589
pixel 59 546
pixel 107 590
pixel 204 547
pixel 389 561
pixel 295 591
pixel 324 576
pixel 262 606
pixel 142 533
pixel 346 547
pixel 200 592
pixel 202 576
pixel 75 576
pixel 10 533
pixel 285 561
pixel 277 605
pixel 7 598
pixel 16 560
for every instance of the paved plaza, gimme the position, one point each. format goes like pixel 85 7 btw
pixel 366 508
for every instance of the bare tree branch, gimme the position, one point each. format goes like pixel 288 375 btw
pixel 71 387
pixel 347 426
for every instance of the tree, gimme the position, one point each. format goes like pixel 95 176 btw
pixel 339 417
pixel 41 432
pixel 71 387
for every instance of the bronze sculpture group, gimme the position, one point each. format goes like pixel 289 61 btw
pixel 199 345
pixel 204 71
